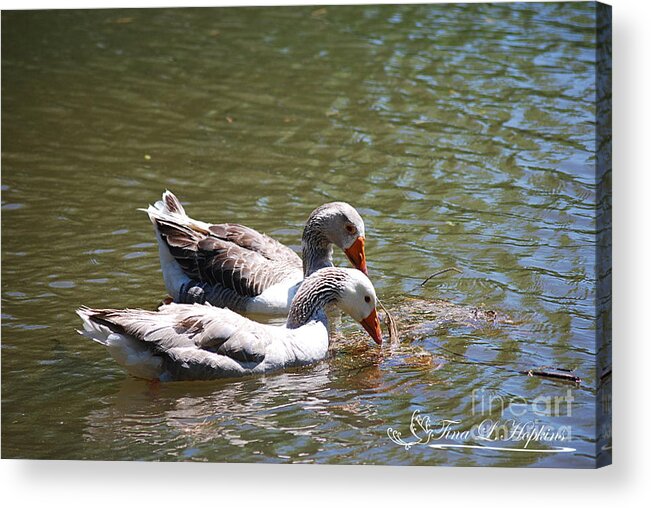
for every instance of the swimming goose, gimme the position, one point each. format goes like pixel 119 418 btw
pixel 194 342
pixel 230 265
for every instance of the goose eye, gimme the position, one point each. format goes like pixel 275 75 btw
pixel 367 299
pixel 351 229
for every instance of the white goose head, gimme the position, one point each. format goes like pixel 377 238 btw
pixel 340 224
pixel 349 289
pixel 358 300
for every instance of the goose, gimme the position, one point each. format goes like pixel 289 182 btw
pixel 200 342
pixel 234 266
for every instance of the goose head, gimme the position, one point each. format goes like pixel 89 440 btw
pixel 341 225
pixel 358 300
pixel 346 288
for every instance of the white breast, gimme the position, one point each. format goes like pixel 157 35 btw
pixel 301 346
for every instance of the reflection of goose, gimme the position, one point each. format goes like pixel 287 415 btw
pixel 210 421
pixel 230 265
pixel 188 342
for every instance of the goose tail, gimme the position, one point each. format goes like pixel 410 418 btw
pixel 92 329
pixel 135 356
pixel 168 208
pixel 171 204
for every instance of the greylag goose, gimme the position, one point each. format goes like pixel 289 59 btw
pixel 194 342
pixel 230 265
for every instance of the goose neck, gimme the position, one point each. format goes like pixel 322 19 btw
pixel 314 295
pixel 317 249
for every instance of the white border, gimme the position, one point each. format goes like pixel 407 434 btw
pixel 113 484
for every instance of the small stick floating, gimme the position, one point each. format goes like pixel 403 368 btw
pixel 555 374
pixel 449 269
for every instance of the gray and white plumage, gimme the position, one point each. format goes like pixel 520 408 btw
pixel 195 342
pixel 234 266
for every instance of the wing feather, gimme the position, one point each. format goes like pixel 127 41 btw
pixel 239 258
pixel 195 335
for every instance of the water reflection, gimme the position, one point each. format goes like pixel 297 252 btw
pixel 253 415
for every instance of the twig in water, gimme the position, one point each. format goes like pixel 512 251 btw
pixel 547 372
pixel 391 325
pixel 450 269
pixel 556 374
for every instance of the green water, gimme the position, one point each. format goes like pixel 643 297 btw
pixel 464 135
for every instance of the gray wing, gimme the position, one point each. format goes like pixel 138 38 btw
pixel 231 255
pixel 194 341
pixel 255 241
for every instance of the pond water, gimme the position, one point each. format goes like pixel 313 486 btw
pixel 464 135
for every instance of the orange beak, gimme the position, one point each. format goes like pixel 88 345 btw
pixel 356 254
pixel 371 324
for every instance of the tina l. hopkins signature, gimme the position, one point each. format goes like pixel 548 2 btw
pixel 502 435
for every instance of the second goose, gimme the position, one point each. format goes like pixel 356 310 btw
pixel 230 265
